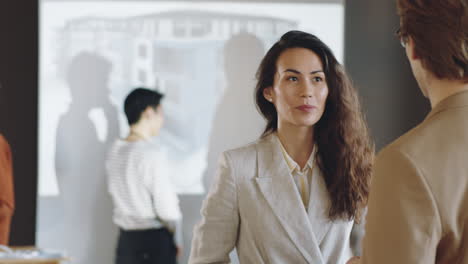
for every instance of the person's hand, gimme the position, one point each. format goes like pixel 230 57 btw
pixel 179 251
pixel 354 260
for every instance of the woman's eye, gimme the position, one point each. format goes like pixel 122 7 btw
pixel 293 78
pixel 318 79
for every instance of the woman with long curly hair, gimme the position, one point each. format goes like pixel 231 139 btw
pixel 294 195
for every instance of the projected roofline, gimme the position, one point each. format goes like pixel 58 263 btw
pixel 175 18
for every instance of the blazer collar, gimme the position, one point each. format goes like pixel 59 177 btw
pixel 454 101
pixel 319 200
pixel 277 186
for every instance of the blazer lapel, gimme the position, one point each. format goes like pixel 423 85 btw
pixel 278 188
pixel 319 206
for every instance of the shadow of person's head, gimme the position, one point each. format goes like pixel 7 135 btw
pixel 87 76
pixel 242 54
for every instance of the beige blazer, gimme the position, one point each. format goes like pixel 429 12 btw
pixel 255 207
pixel 418 205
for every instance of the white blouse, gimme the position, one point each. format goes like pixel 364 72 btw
pixel 302 177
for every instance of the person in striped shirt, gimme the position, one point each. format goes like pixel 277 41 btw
pixel 146 206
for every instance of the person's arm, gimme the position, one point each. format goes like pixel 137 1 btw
pixel 357 234
pixel 7 199
pixel 6 212
pixel 403 224
pixel 216 235
pixel 178 237
pixel 165 200
pixel 6 174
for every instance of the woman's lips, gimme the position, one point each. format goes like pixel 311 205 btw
pixel 306 108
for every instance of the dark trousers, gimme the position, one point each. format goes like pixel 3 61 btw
pixel 151 246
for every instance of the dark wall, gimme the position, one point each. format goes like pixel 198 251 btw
pixel 378 65
pixel 18 108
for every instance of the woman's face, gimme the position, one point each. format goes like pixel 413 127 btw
pixel 299 89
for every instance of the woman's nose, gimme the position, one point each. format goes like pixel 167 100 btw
pixel 307 90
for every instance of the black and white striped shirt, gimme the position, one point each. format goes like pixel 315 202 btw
pixel 140 187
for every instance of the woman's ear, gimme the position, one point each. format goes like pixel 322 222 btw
pixel 268 94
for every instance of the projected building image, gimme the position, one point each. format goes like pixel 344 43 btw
pixel 203 56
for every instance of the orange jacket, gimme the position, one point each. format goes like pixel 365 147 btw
pixel 7 199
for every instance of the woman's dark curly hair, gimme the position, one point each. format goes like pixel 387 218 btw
pixel 345 151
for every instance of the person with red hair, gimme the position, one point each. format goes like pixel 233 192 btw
pixel 417 210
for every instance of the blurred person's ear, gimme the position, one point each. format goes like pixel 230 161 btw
pixel 148 113
pixel 411 50
pixel 159 109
